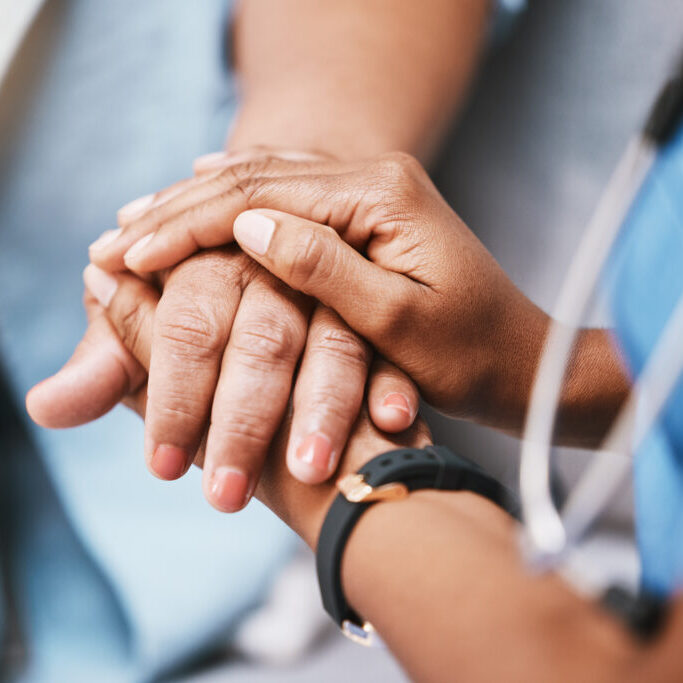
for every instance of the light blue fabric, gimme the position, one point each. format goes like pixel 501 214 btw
pixel 646 282
pixel 117 99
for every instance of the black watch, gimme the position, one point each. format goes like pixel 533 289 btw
pixel 391 476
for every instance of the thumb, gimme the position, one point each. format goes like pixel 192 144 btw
pixel 98 375
pixel 313 259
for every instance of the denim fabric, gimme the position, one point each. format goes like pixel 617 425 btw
pixel 108 101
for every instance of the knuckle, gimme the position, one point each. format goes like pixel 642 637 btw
pixel 397 186
pixel 248 187
pixel 180 407
pixel 341 345
pixel 247 169
pixel 244 426
pixel 269 341
pixel 307 264
pixel 191 332
pixel 341 408
pixel 399 167
pixel 130 325
pixel 197 214
pixel 387 374
pixel 216 267
pixel 157 216
pixel 222 272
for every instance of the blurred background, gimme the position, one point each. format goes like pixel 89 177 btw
pixel 87 569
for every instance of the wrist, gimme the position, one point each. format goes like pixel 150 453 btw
pixel 503 378
pixel 263 120
pixel 383 544
pixel 303 507
pixel 595 388
pixel 595 384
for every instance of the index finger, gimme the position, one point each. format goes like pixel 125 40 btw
pixel 201 216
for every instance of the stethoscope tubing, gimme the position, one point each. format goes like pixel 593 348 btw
pixel 548 534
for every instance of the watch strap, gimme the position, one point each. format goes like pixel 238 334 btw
pixel 401 470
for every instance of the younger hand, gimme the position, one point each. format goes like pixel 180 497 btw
pixel 376 242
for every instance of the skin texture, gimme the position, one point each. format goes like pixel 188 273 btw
pixel 392 77
pixel 354 77
pixel 469 590
pixel 377 243
pixel 413 62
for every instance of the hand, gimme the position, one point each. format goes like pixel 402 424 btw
pixel 430 296
pixel 216 299
pixel 130 316
pixel 427 294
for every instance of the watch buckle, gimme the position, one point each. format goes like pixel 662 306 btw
pixel 364 635
pixel 356 490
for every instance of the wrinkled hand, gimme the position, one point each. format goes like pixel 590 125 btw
pixel 127 328
pixel 376 242
pixel 226 343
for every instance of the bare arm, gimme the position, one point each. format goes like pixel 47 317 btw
pixel 476 611
pixel 354 77
pixel 439 574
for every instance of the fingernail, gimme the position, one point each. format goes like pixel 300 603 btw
pixel 229 488
pixel 105 239
pixel 100 284
pixel 211 160
pixel 254 231
pixel 135 208
pixel 316 450
pixel 398 402
pixel 168 462
pixel 137 248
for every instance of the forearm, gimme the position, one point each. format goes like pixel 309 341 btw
pixel 441 578
pixel 595 384
pixel 353 78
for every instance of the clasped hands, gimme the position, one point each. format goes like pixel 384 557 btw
pixel 247 311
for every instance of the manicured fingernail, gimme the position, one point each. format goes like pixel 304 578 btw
pixel 100 284
pixel 168 462
pixel 135 208
pixel 229 488
pixel 254 231
pixel 398 402
pixel 137 248
pixel 316 450
pixel 105 239
pixel 210 160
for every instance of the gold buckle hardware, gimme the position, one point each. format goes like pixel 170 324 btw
pixel 356 490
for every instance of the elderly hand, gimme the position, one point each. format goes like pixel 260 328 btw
pixel 377 243
pixel 130 320
pixel 227 340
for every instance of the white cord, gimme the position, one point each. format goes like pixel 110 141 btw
pixel 545 536
pixel 640 412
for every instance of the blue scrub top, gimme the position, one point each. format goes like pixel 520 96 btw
pixel 646 281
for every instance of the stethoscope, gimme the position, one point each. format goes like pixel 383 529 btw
pixel 549 535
